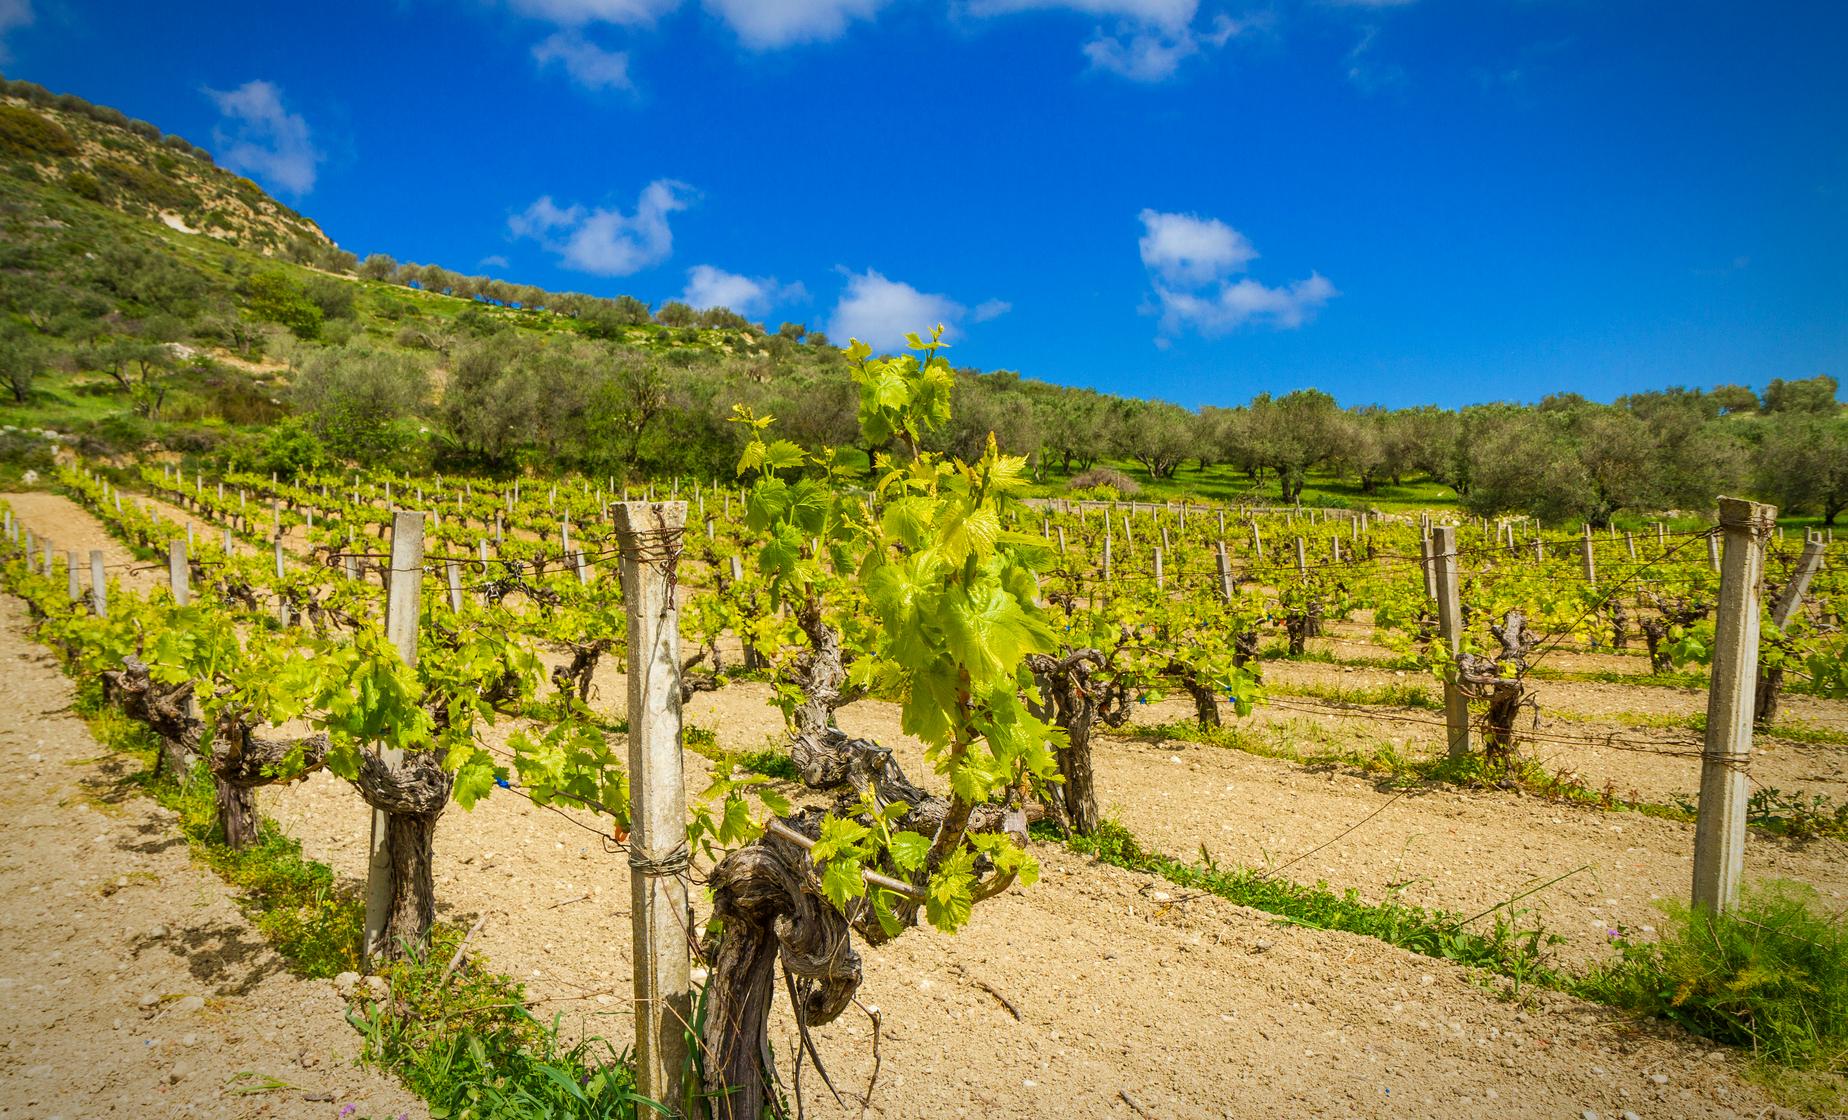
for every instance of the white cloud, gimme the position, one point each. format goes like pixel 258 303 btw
pixel 14 14
pixel 991 309
pixel 588 65
pixel 1171 14
pixel 1234 304
pixel 709 287
pixel 576 13
pixel 878 311
pixel 256 135
pixel 1185 249
pixel 1144 56
pixel 1191 261
pixel 606 242
pixel 493 261
pixel 763 24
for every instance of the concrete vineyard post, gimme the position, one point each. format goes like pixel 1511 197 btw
pixel 73 576
pixel 1225 573
pixel 1791 597
pixel 403 585
pixel 1629 542
pixel 178 573
pixel 1158 573
pixel 1450 627
pixel 1719 827
pixel 454 572
pixel 648 535
pixel 282 600
pixel 1591 564
pixel 1425 552
pixel 99 586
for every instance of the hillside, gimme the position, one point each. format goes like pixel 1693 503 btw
pixel 98 153
pixel 151 301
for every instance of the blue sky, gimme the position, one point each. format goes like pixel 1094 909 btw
pixel 1398 201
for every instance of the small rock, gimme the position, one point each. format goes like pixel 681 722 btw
pixel 155 933
pixel 1659 1078
pixel 1626 1114
pixel 345 983
pixel 186 1005
pixel 149 1000
pixel 1263 945
pixel 189 1040
pixel 1588 1114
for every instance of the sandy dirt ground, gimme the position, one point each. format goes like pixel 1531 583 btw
pixel 132 986
pixel 1130 990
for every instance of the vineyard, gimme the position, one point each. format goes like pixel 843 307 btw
pixel 1228 809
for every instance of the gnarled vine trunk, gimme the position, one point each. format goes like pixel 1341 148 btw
pixel 412 794
pixel 1483 678
pixel 166 709
pixel 1766 696
pixel 241 761
pixel 1073 700
pixel 819 749
pixel 770 908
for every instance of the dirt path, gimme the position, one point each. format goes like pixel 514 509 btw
pixel 131 985
pixel 70 528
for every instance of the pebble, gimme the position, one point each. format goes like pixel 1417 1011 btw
pixel 1659 1078
pixel 149 1000
pixel 1628 1115
pixel 157 932
pixel 186 1005
pixel 345 983
pixel 1588 1114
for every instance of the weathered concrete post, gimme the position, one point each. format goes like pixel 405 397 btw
pixel 1791 597
pixel 99 584
pixel 179 574
pixel 648 535
pixel 1719 826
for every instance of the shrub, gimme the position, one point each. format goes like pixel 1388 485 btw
pixel 277 298
pixel 26 133
pixel 148 186
pixel 1125 486
pixel 1771 974
pixel 84 185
